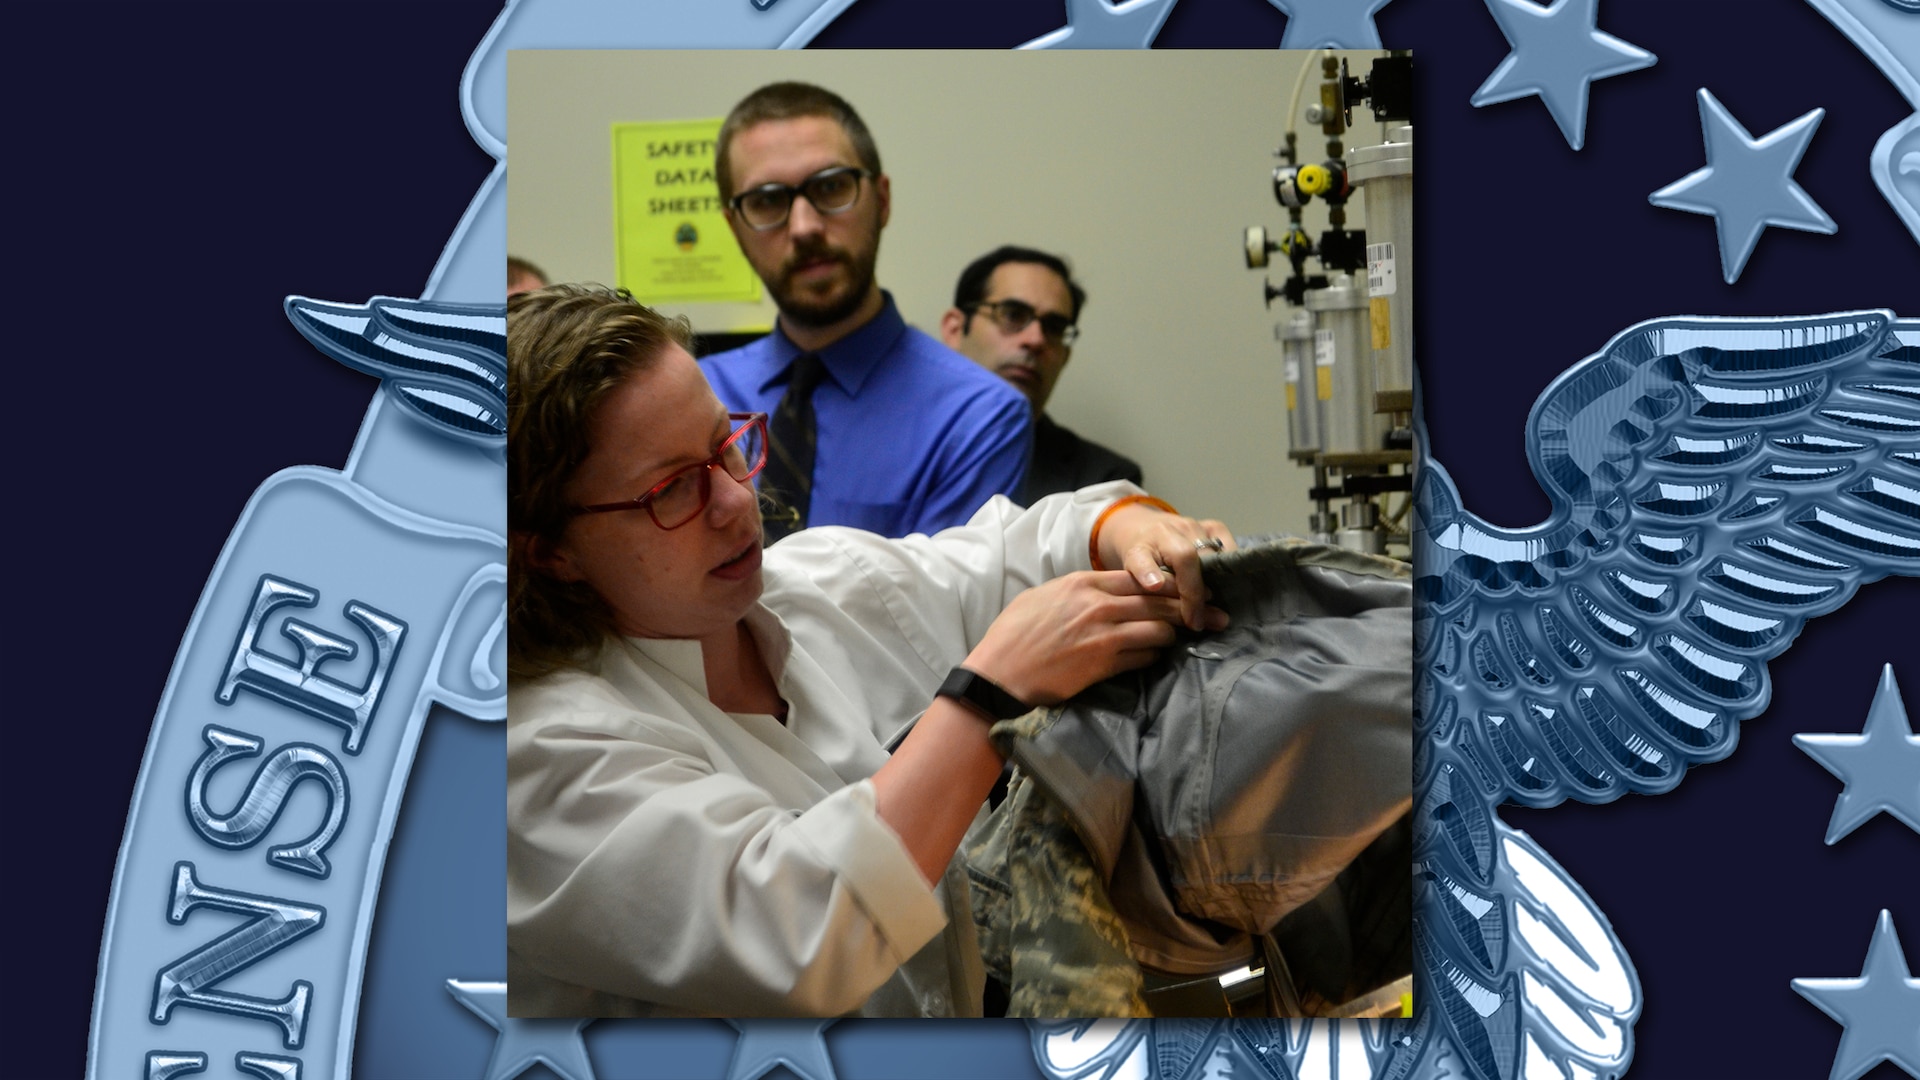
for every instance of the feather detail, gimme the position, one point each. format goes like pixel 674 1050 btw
pixel 444 364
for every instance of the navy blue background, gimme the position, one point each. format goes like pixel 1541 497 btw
pixel 177 170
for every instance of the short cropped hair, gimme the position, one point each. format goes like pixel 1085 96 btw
pixel 790 101
pixel 972 288
pixel 568 348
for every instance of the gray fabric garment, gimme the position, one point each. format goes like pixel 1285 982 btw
pixel 1228 785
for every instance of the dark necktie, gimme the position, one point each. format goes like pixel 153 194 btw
pixel 789 472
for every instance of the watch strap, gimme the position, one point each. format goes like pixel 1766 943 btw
pixel 982 694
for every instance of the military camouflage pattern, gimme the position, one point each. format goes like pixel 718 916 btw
pixel 1047 928
pixel 1150 833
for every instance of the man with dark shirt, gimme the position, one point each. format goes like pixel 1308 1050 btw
pixel 1016 313
pixel 871 422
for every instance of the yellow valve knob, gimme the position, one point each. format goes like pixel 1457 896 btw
pixel 1314 179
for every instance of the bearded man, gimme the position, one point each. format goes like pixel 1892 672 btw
pixel 871 422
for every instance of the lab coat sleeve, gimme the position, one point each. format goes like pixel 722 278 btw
pixel 638 869
pixel 939 593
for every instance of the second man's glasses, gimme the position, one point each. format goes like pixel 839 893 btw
pixel 1013 316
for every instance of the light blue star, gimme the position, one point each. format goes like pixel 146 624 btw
pixel 1881 765
pixel 524 1043
pixel 1097 24
pixel 1748 183
pixel 1880 1009
pixel 797 1044
pixel 1336 24
pixel 1557 53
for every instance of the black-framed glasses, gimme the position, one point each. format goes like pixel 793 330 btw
pixel 1014 316
pixel 831 191
pixel 679 498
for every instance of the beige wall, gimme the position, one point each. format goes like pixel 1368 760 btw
pixel 1142 167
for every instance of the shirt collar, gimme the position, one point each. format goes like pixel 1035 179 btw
pixel 685 660
pixel 848 361
pixel 682 657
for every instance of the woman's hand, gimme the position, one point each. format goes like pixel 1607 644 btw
pixel 1149 543
pixel 1059 638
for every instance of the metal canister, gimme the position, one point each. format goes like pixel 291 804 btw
pixel 1384 175
pixel 1303 401
pixel 1343 368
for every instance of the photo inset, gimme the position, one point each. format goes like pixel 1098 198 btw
pixel 868 655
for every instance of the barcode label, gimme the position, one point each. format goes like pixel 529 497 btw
pixel 1323 348
pixel 1380 270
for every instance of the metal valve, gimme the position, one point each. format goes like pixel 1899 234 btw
pixel 1258 247
pixel 1286 187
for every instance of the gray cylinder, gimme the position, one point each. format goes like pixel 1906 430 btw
pixel 1343 368
pixel 1384 175
pixel 1360 528
pixel 1303 403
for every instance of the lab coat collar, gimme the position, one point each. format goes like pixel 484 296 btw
pixel 685 660
pixel 828 754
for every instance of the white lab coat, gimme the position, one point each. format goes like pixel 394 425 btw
pixel 668 858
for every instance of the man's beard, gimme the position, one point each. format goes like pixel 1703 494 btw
pixel 794 304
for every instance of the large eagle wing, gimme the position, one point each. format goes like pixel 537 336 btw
pixel 1715 484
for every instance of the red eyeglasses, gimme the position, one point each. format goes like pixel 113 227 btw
pixel 679 498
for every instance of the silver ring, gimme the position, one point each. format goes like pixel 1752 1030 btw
pixel 1209 543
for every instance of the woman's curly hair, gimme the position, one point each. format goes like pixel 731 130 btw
pixel 568 347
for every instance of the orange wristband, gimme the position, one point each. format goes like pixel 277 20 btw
pixel 1093 538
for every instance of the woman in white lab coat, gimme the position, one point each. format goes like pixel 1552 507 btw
pixel 702 813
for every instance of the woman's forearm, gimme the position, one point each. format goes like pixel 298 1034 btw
pixel 930 790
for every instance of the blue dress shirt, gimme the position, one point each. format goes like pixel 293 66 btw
pixel 911 437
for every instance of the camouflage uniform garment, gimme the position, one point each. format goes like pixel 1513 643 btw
pixel 1046 927
pixel 1171 817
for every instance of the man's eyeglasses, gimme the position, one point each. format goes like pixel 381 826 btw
pixel 679 498
pixel 831 191
pixel 1014 316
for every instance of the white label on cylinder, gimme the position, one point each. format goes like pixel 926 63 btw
pixel 1323 348
pixel 1380 270
pixel 1293 371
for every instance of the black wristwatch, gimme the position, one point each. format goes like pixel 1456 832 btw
pixel 979 693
